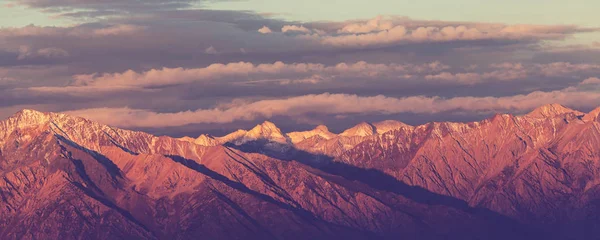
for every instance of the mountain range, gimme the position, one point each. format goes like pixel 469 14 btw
pixel 535 176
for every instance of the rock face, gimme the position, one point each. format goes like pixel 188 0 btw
pixel 535 176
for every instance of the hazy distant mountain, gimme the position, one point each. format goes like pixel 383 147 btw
pixel 535 176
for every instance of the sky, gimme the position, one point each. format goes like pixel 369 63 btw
pixel 581 12
pixel 186 67
pixel 505 11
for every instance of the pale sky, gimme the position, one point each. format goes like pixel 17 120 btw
pixel 18 16
pixel 580 12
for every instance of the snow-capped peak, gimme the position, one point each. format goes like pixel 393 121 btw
pixel 232 136
pixel 86 133
pixel 266 130
pixel 550 110
pixel 29 112
pixel 389 125
pixel 206 140
pixel 266 126
pixel 202 140
pixel 320 130
pixel 31 117
pixel 363 129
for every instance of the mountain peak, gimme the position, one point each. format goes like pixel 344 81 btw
pixel 28 117
pixel 206 140
pixel 266 127
pixel 268 124
pixel 389 125
pixel 29 113
pixel 550 110
pixel 593 115
pixel 361 130
pixel 320 130
pixel 266 130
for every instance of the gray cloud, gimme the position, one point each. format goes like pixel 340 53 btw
pixel 246 73
pixel 335 104
pixel 90 8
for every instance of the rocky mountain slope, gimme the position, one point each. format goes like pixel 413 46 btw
pixel 508 177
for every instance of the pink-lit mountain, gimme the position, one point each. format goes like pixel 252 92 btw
pixel 535 176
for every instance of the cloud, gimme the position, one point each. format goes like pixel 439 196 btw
pixel 378 23
pixel 104 8
pixel 343 74
pixel 402 34
pixel 120 29
pixel 155 55
pixel 78 31
pixel 180 37
pixel 244 71
pixel 517 71
pixel 265 30
pixel 562 68
pixel 508 65
pixel 464 78
pixel 299 29
pixel 337 104
pixel 211 50
pixel 247 72
pixel 591 81
pixel 153 40
pixel 382 31
pixel 6 80
pixel 97 4
pixel 314 79
pixel 26 52
pixel 294 28
pixel 34 75
pixel 82 91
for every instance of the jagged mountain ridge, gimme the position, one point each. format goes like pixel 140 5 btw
pixel 321 140
pixel 70 178
pixel 269 131
pixel 497 163
pixel 62 169
pixel 540 167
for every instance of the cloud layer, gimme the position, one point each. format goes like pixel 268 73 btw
pixel 315 73
pixel 382 31
pixel 172 63
pixel 327 103
pixel 246 71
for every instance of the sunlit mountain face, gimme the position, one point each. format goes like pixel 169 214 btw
pixel 274 119
pixel 533 176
